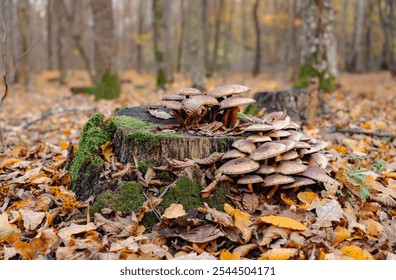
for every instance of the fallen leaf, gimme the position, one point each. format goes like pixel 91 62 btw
pixel 227 255
pixel 65 233
pixel 356 253
pixel 25 250
pixel 340 235
pixel 373 228
pixel 31 219
pixel 328 213
pixel 173 211
pixel 283 222
pixel 220 217
pixel 279 254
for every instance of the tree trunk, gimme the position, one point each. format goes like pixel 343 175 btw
pixel 257 56
pixel 181 39
pixel 159 32
pixel 49 34
pixel 169 35
pixel 215 52
pixel 103 37
pixel 355 63
pixel 318 45
pixel 195 44
pixel 139 50
pixel 61 41
pixel 344 34
pixel 228 43
pixel 387 16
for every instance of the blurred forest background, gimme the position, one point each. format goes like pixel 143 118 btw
pixel 201 38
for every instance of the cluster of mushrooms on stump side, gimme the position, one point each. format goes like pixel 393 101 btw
pixel 190 106
pixel 274 152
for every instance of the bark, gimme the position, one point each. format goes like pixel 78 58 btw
pixel 195 44
pixel 103 37
pixel 215 52
pixel 257 56
pixel 169 35
pixel 228 43
pixel 49 33
pixel 387 16
pixel 61 41
pixel 159 32
pixel 344 34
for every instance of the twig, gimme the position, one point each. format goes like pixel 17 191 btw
pixel 52 112
pixel 152 207
pixel 167 188
pixel 3 46
pixel 29 49
pixel 358 131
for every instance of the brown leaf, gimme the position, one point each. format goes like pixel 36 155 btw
pixel 328 212
pixel 31 219
pixel 283 222
pixel 220 217
pixel 227 255
pixel 65 233
pixel 202 234
pixel 173 211
pixel 279 254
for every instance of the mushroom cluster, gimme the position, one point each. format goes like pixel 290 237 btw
pixel 191 107
pixel 276 154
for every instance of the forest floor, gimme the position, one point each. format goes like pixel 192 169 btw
pixel 41 219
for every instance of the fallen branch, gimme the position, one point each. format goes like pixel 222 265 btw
pixel 52 112
pixel 358 131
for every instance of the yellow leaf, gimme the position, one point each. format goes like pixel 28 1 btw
pixel 242 219
pixel 366 125
pixel 31 219
pixel 65 233
pixel 9 162
pixel 286 200
pixel 64 145
pixel 5 226
pixel 227 255
pixel 307 197
pixel 174 211
pixel 356 253
pixel 228 208
pixel 341 234
pixel 279 254
pixel 25 250
pixel 373 228
pixel 107 150
pixel 283 222
pixel 321 255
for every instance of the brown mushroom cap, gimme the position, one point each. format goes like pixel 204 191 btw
pixel 250 179
pixel 191 103
pixel 233 153
pixel 172 97
pixel 259 138
pixel 227 90
pixel 173 105
pixel 265 169
pixel 277 179
pixel 320 145
pixel 235 101
pixel 318 159
pixel 259 127
pixel 317 174
pixel 206 99
pixel 279 133
pixel 289 155
pixel 290 144
pixel 295 135
pixel 293 125
pixel 275 116
pixel 299 182
pixel 239 166
pixel 311 150
pixel 289 167
pixel 268 150
pixel 302 145
pixel 281 124
pixel 188 91
pixel 244 145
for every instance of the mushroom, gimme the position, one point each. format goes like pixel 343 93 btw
pixel 175 106
pixel 289 167
pixel 281 124
pixel 318 159
pixel 259 138
pixel 275 116
pixel 231 106
pixel 194 109
pixel 208 101
pixel 276 180
pixel 239 166
pixel 187 92
pixel 260 128
pixel 317 174
pixel 267 150
pixel 244 145
pixel 249 180
pixel 279 133
pixel 298 182
pixel 228 90
pixel 265 169
pixel 172 97
pixel 302 145
pixel 295 136
pixel 287 156
pixel 233 153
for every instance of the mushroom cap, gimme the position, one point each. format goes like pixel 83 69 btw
pixel 244 145
pixel 239 166
pixel 265 169
pixel 227 90
pixel 277 179
pixel 235 101
pixel 173 105
pixel 302 145
pixel 268 150
pixel 250 179
pixel 233 153
pixel 279 133
pixel 259 127
pixel 316 173
pixel 259 138
pixel 293 125
pixel 288 167
pixel 295 135
pixel 188 91
pixel 290 144
pixel 311 150
pixel 191 103
pixel 206 99
pixel 320 145
pixel 275 116
pixel 172 97
pixel 281 124
pixel 299 182
pixel 318 159
pixel 289 155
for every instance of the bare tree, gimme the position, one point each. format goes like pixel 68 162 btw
pixel 257 56
pixel 49 33
pixel 181 39
pixel 387 14
pixel 159 33
pixel 139 50
pixel 215 52
pixel 61 40
pixel 195 44
pixel 354 61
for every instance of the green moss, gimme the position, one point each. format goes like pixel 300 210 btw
pixel 131 122
pixel 307 72
pixel 149 219
pixel 143 165
pixel 128 198
pixel 219 197
pixel 92 137
pixel 186 193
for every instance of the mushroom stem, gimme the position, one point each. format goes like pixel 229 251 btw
pixel 199 118
pixel 214 112
pixel 250 187
pixel 178 117
pixel 272 191
pixel 234 117
pixel 225 116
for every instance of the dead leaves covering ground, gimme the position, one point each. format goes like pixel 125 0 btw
pixel 41 219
